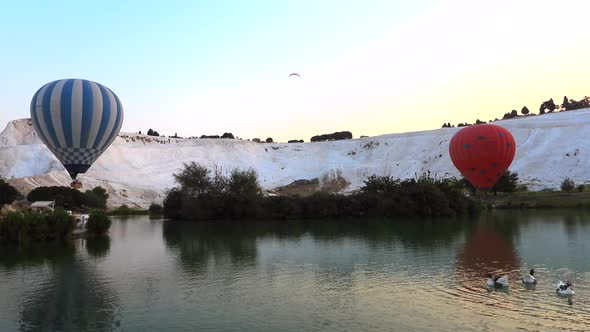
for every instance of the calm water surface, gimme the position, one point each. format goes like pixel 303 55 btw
pixel 152 275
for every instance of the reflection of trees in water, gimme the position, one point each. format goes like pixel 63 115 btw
pixel 511 221
pixel 197 243
pixel 150 224
pixel 98 246
pixel 73 299
pixel 13 257
pixel 418 233
pixel 429 234
pixel 574 221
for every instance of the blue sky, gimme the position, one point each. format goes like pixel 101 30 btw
pixel 371 67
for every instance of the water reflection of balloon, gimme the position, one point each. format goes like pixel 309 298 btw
pixel 77 120
pixel 482 153
pixel 74 302
pixel 487 251
pixel 69 298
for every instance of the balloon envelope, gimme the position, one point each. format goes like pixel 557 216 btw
pixel 482 153
pixel 77 120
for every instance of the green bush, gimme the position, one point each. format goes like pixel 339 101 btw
pixel 156 209
pixel 125 210
pixel 507 183
pixel 98 223
pixel 568 184
pixel 8 193
pixel 201 195
pixel 61 224
pixel 32 226
pixel 173 203
pixel 13 228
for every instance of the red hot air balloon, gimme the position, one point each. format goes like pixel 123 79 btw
pixel 482 153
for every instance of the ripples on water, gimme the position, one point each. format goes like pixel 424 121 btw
pixel 305 277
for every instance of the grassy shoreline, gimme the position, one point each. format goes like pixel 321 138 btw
pixel 538 200
pixel 128 212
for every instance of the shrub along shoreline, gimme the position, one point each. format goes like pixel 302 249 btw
pixel 32 227
pixel 203 194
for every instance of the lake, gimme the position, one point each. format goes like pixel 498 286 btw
pixel 153 275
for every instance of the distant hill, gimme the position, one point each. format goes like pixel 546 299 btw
pixel 137 169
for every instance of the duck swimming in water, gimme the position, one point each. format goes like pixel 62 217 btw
pixel 530 278
pixel 565 289
pixel 497 282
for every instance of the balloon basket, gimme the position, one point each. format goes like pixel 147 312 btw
pixel 76 184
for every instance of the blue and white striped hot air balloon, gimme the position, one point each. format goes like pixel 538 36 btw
pixel 77 120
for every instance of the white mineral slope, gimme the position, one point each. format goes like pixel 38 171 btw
pixel 137 169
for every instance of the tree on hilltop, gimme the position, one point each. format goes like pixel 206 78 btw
pixel 228 135
pixel 151 132
pixel 566 103
pixel 547 105
pixel 8 193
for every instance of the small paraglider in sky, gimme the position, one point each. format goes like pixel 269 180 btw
pixel 482 153
pixel 294 74
pixel 77 120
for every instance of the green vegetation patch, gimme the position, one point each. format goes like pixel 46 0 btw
pixel 203 194
pixel 98 223
pixel 33 227
pixel 541 200
pixel 125 210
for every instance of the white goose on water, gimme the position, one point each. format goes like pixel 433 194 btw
pixel 497 282
pixel 530 278
pixel 565 289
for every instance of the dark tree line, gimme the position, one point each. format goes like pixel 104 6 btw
pixel 571 104
pixel 202 194
pixel 70 198
pixel 151 132
pixel 340 135
pixel 225 135
pixel 547 106
pixel 267 140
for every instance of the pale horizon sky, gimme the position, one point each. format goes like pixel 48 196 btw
pixel 370 67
